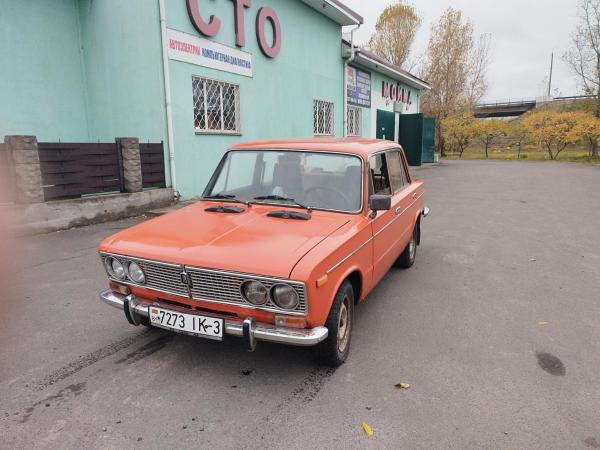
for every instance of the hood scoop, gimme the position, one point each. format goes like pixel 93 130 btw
pixel 225 209
pixel 294 215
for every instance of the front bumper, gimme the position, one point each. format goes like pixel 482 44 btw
pixel 247 329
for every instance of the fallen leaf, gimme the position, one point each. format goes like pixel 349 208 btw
pixel 543 322
pixel 402 385
pixel 367 428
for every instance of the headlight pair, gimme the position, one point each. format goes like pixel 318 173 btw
pixel 119 271
pixel 283 295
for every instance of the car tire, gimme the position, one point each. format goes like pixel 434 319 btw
pixel 334 350
pixel 408 256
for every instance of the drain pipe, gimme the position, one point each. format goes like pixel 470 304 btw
pixel 167 87
pixel 346 64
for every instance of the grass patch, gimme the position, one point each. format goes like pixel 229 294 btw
pixel 529 153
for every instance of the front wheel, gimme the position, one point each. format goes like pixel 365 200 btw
pixel 334 350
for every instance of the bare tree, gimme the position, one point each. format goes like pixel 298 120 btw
pixel 455 66
pixel 584 57
pixel 395 32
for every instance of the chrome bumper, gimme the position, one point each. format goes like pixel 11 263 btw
pixel 425 211
pixel 248 329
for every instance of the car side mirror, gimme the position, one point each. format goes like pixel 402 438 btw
pixel 380 202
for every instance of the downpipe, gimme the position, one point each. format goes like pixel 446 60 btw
pixel 346 64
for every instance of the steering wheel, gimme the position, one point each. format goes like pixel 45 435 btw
pixel 331 190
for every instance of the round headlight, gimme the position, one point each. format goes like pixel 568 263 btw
pixel 255 292
pixel 115 268
pixel 136 274
pixel 285 296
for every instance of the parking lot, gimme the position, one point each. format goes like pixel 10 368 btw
pixel 496 328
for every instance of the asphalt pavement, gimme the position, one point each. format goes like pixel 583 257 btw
pixel 496 328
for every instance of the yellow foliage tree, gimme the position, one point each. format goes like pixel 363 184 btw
pixel 553 130
pixel 487 131
pixel 458 131
pixel 395 32
pixel 588 128
pixel 519 134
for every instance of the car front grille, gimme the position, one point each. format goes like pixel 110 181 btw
pixel 207 285
pixel 225 287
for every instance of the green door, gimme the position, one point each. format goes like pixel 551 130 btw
pixel 411 137
pixel 386 125
pixel 428 139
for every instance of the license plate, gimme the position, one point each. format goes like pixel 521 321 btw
pixel 196 325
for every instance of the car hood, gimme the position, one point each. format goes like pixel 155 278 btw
pixel 249 242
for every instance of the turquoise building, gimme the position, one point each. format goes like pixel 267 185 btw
pixel 198 75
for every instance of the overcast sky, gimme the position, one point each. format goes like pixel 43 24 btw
pixel 524 34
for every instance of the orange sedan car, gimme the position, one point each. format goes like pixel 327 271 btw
pixel 286 239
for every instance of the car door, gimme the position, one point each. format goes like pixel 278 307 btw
pixel 385 239
pixel 402 197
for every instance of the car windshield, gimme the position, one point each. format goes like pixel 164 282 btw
pixel 318 180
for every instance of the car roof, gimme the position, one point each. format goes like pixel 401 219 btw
pixel 358 146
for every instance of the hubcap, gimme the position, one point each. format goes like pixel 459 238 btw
pixel 412 247
pixel 343 326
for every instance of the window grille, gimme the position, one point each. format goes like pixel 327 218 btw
pixel 323 113
pixel 216 106
pixel 354 121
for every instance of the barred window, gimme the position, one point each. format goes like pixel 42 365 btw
pixel 216 106
pixel 354 121
pixel 323 123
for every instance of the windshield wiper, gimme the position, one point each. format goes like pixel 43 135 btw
pixel 283 199
pixel 227 197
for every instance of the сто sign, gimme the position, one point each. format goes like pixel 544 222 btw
pixel 265 14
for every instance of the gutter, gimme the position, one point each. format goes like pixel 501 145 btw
pixel 168 102
pixel 346 64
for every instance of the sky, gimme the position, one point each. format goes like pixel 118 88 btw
pixel 524 34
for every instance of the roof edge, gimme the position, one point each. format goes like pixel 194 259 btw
pixel 336 11
pixel 391 70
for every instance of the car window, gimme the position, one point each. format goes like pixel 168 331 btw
pixel 321 180
pixel 379 175
pixel 396 170
pixel 405 172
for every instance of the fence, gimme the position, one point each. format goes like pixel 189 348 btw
pixel 153 165
pixel 73 170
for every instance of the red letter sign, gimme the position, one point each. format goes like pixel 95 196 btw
pixel 264 14
pixel 207 29
pixel 240 31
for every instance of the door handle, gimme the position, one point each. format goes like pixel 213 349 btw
pixel 414 196
pixel 398 210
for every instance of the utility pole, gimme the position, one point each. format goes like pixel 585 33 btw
pixel 550 79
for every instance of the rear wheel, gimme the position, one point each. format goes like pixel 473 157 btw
pixel 334 350
pixel 407 258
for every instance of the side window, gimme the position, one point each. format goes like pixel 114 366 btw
pixel 405 172
pixel 379 175
pixel 396 169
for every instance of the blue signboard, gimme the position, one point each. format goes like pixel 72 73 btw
pixel 359 87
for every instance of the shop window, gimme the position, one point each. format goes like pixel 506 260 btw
pixel 354 121
pixel 216 106
pixel 323 113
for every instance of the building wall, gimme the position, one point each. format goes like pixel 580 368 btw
pixel 276 103
pixel 379 102
pixel 41 83
pixel 122 58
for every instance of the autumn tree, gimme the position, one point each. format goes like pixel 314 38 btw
pixel 587 126
pixel 584 57
pixel 518 133
pixel 487 131
pixel 455 67
pixel 553 130
pixel 458 131
pixel 395 32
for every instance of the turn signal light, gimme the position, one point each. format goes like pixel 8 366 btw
pixel 120 288
pixel 322 281
pixel 290 322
